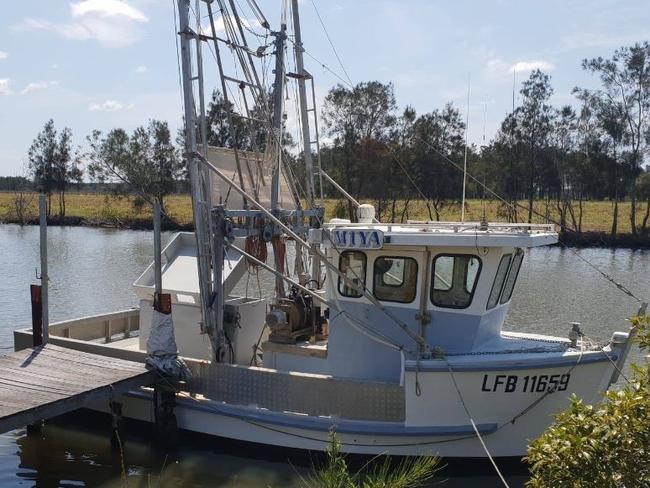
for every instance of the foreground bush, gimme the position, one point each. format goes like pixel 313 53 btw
pixel 410 473
pixel 606 445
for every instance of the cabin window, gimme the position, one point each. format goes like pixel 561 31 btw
pixel 512 276
pixel 454 279
pixel 352 264
pixel 500 277
pixel 395 279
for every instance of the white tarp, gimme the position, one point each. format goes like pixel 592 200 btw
pixel 162 349
pixel 252 164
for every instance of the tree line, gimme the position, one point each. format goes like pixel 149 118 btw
pixel 593 149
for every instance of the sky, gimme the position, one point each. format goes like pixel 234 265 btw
pixel 102 64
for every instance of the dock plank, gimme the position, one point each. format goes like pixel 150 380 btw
pixel 46 381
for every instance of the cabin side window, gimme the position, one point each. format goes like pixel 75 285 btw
pixel 454 278
pixel 512 276
pixel 499 279
pixel 395 279
pixel 352 265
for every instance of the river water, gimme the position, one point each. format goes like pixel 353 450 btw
pixel 92 271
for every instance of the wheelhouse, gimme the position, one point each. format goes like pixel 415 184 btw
pixel 450 283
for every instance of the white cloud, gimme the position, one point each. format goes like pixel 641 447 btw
pixel 141 69
pixel 112 23
pixel 38 86
pixel 526 66
pixel 4 55
pixel 107 8
pixel 497 66
pixel 106 106
pixel 219 26
pixel 5 89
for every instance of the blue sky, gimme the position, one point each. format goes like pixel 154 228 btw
pixel 109 63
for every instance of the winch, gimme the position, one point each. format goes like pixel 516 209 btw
pixel 294 318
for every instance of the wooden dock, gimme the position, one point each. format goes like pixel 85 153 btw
pixel 46 381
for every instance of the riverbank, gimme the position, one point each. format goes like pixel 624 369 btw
pixel 102 210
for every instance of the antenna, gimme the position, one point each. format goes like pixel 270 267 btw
pixel 483 149
pixel 462 211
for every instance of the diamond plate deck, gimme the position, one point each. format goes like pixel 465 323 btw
pixel 310 394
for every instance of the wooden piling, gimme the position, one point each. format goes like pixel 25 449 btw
pixel 37 314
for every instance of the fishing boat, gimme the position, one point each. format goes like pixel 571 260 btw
pixel 388 334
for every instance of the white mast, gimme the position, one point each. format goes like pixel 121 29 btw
pixel 302 94
pixel 462 217
pixel 209 279
pixel 278 109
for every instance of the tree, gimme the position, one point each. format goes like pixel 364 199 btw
pixel 145 162
pixel 625 98
pixel 533 125
pixel 358 118
pixel 434 138
pixel 52 164
pixel 643 191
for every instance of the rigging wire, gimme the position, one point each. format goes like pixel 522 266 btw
pixel 476 431
pixel 325 66
pixel 178 54
pixel 329 39
pixel 514 206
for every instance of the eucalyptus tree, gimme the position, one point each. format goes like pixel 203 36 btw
pixel 534 125
pixel 359 120
pixel 437 144
pixel 53 163
pixel 144 162
pixel 562 183
pixel 624 98
pixel 643 191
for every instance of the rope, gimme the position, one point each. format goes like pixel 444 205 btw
pixel 256 247
pixel 478 434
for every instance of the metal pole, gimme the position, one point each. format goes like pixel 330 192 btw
pixel 342 190
pixel 278 113
pixel 302 94
pixel 200 203
pixel 218 239
pixel 157 249
pixel 462 208
pixel 42 208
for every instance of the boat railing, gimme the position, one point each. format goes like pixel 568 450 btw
pixel 429 225
pixel 99 327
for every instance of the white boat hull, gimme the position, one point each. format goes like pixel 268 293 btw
pixel 508 413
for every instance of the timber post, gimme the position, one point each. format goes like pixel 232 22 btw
pixel 164 394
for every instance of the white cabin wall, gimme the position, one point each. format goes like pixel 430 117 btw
pixel 454 330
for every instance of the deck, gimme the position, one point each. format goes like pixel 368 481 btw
pixel 46 381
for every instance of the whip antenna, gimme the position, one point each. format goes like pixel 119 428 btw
pixel 462 214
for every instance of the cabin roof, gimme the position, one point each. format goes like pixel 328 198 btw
pixel 449 234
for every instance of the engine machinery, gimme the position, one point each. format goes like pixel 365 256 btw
pixel 295 318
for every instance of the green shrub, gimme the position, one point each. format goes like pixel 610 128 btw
pixel 410 473
pixel 606 445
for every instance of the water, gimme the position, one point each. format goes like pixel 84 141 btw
pixel 92 271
